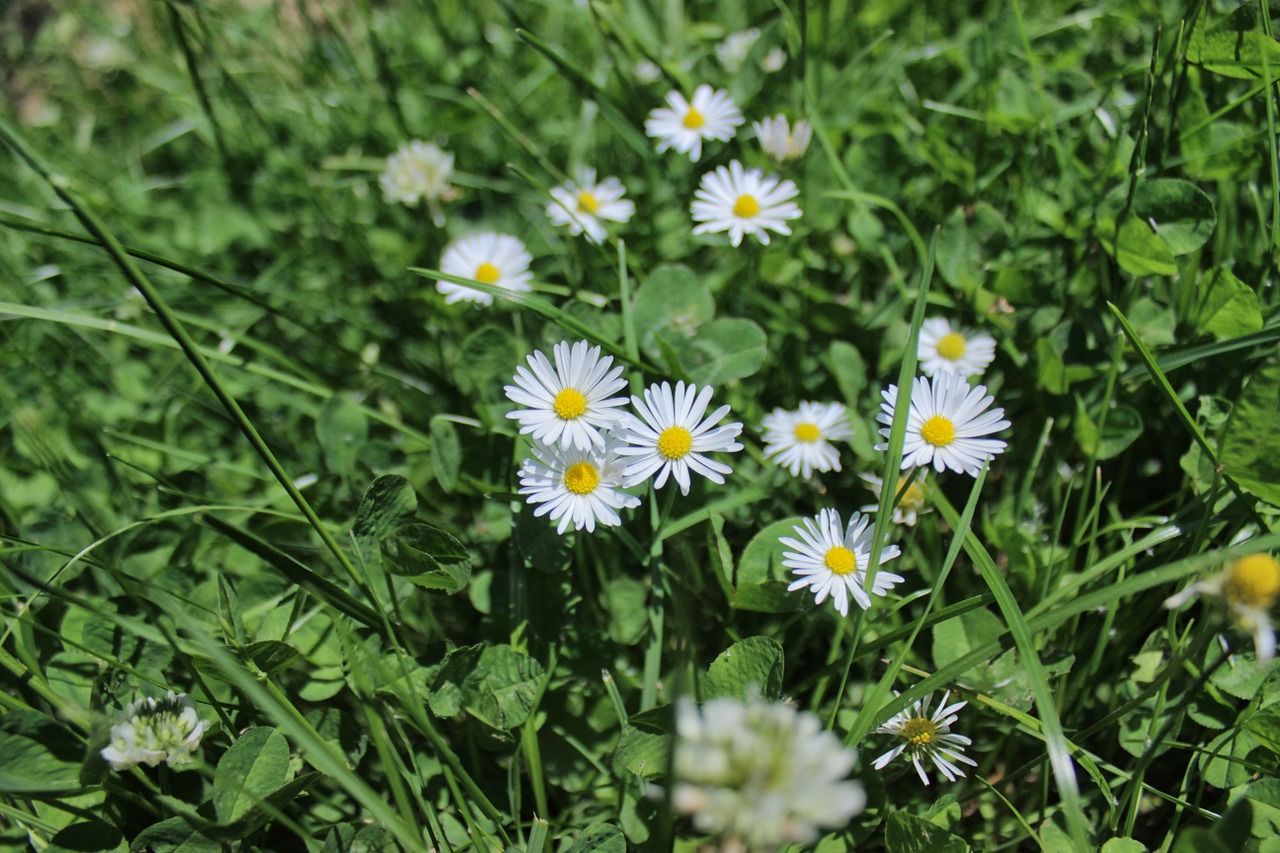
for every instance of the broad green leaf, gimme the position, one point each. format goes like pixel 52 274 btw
pixel 753 664
pixel 723 350
pixel 174 835
pixel 1136 248
pixel 969 240
pixel 88 837
pixel 1227 306
pixel 672 301
pixel 38 755
pixel 1178 211
pixel 1123 845
pixel 1250 450
pixel 1265 728
pixel 446 451
pixel 849 369
pixel 342 430
pixel 1123 427
pixel 256 765
pixel 600 838
pixel 1234 46
pixel 428 557
pixel 387 505
pixel 762 580
pixel 494 684
pixel 624 601
pixel 956 637
pixel 906 833
pixel 645 743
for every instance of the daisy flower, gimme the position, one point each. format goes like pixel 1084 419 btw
pixel 418 171
pixel 570 404
pixel 945 424
pixel 583 203
pixel 153 730
pixel 801 439
pixel 671 435
pixel 928 736
pixel 683 125
pixel 833 561
pixel 497 259
pixel 943 349
pixel 576 486
pixel 774 60
pixel 909 506
pixel 743 201
pixel 780 141
pixel 1249 587
pixel 761 775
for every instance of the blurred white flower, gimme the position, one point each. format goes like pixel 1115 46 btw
pixel 943 348
pixel 646 71
pixel 418 171
pixel 774 60
pixel 926 735
pixel 497 259
pixel 733 51
pixel 832 560
pixel 1249 587
pixel 581 204
pixel 801 440
pixel 945 424
pixel 153 730
pixel 780 141
pixel 683 125
pixel 743 201
pixel 760 775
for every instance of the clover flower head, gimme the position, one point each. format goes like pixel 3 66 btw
pixel 153 730
pixel 418 171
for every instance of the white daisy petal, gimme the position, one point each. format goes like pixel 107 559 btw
pixel 671 435
pixel 683 125
pixel 582 204
pixel 559 412
pixel 743 201
pixel 801 440
pixel 497 259
pixel 926 735
pixel 578 486
pixel 944 349
pixel 832 558
pixel 945 423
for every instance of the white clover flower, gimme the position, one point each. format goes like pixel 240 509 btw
pixel 943 348
pixel 760 775
pixel 570 404
pixel 497 259
pixel 418 171
pixel 577 486
pixel 774 60
pixel 671 436
pixel 909 507
pixel 743 201
pixel 581 204
pixel 833 561
pixel 154 730
pixel 733 51
pixel 801 440
pixel 1249 588
pixel 926 736
pixel 945 424
pixel 780 141
pixel 683 125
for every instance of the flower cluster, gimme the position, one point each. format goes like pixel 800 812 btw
pixel 418 171
pixel 153 730
pixel 587 448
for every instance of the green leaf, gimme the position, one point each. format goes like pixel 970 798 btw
pixel 967 243
pixel 1123 427
pixel 37 755
pixel 1228 308
pixel 600 838
pixel 849 369
pixel 762 579
pixel 539 544
pixel 1123 845
pixel 1182 215
pixel 753 664
pixel 88 837
pixel 256 765
pixel 672 300
pixel 428 557
pixel 388 504
pixel 486 353
pixel 271 656
pixel 958 636
pixel 1265 728
pixel 494 684
pixel 906 833
pixel 446 451
pixel 645 743
pixel 1250 450
pixel 1234 47
pixel 624 600
pixel 1136 248
pixel 723 350
pixel 174 835
pixel 342 430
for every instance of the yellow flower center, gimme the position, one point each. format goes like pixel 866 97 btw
pixel 746 207
pixel 840 560
pixel 951 347
pixel 587 203
pixel 675 442
pixel 920 732
pixel 693 119
pixel 807 433
pixel 1253 581
pixel 938 431
pixel 570 404
pixel 913 498
pixel 486 273
pixel 582 478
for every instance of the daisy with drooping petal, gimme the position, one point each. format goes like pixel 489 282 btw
pixel 671 435
pixel 910 505
pixel 928 736
pixel 833 561
pixel 943 348
pixel 946 424
pixel 801 440
pixel 153 730
pixel 581 204
pixel 418 171
pixel 780 141
pixel 497 259
pixel 743 201
pixel 570 404
pixel 683 125
pixel 1249 587
pixel 760 775
pixel 576 486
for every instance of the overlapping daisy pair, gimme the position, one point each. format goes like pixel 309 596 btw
pixel 588 449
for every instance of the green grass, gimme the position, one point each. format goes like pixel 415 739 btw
pixel 248 453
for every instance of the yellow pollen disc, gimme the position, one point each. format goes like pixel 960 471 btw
pixel 807 432
pixel 840 560
pixel 486 273
pixel 746 207
pixel 1253 581
pixel 920 732
pixel 587 203
pixel 914 497
pixel 570 404
pixel 675 442
pixel 938 431
pixel 951 347
pixel 693 119
pixel 582 478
